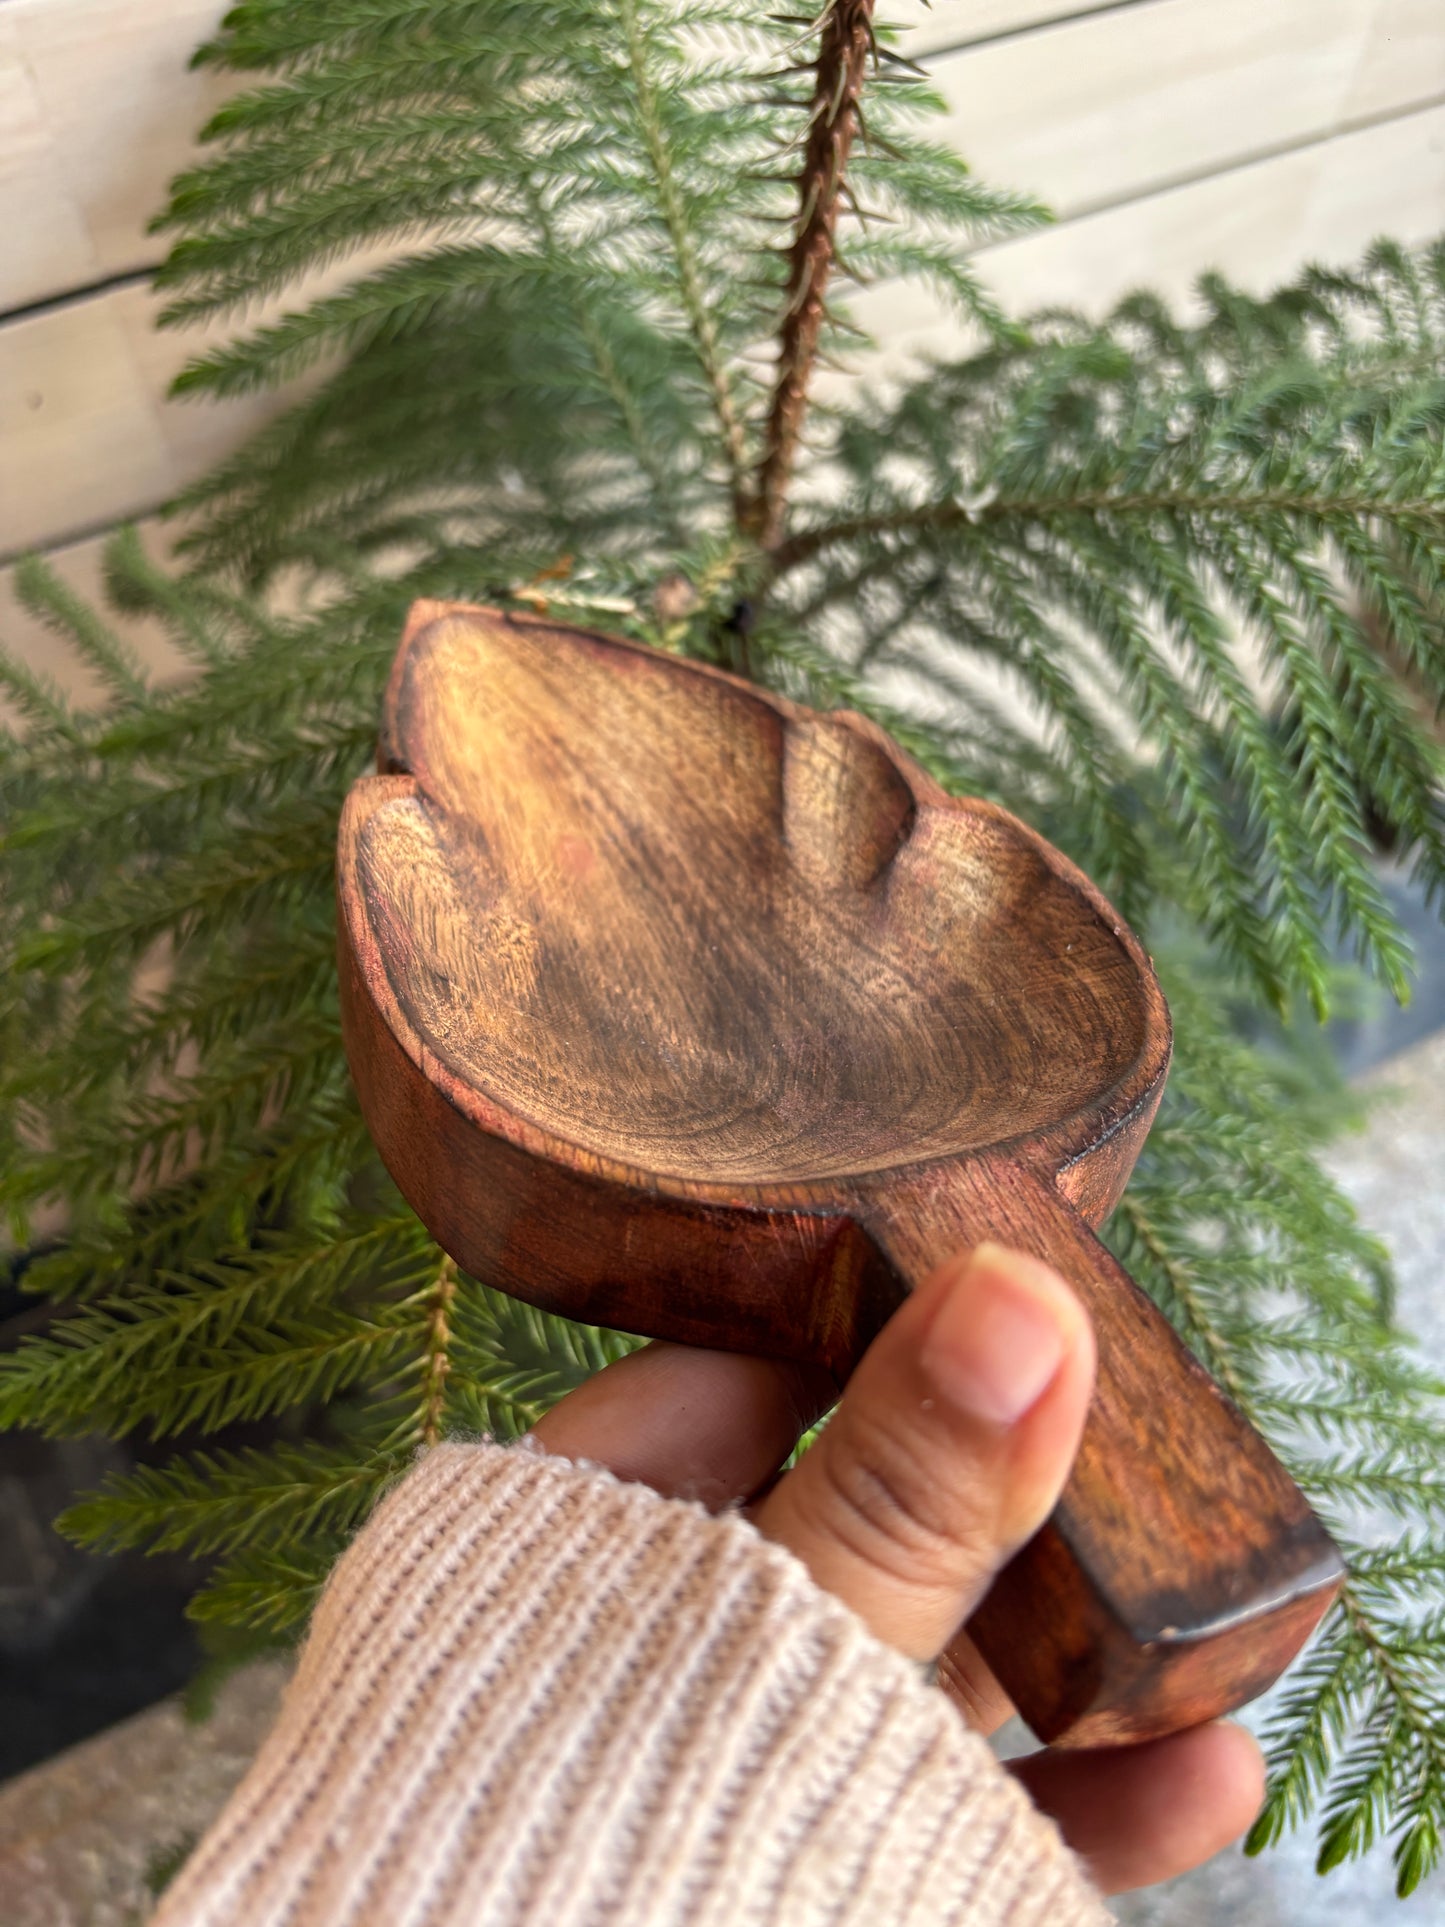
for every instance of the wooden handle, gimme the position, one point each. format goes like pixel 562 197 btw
pixel 1182 1568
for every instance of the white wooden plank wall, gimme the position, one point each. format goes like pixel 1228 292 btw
pixel 1169 136
pixel 97 110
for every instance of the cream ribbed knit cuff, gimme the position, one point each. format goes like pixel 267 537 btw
pixel 535 1695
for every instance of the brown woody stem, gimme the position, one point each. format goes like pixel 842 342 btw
pixel 843 50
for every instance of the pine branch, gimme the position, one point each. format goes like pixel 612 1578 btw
pixel 39 699
pixel 297 1171
pixel 1422 514
pixel 92 1368
pixel 133 912
pixel 1362 1803
pixel 268 1589
pixel 113 661
pixel 649 456
pixel 437 1358
pixel 196 622
pixel 209 1503
pixel 684 251
pixel 845 44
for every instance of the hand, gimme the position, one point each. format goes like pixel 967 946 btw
pixel 945 1455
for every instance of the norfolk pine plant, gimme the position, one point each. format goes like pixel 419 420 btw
pixel 620 240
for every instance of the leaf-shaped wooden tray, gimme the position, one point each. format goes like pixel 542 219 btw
pixel 680 1008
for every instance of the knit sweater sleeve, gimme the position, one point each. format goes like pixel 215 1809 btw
pixel 534 1696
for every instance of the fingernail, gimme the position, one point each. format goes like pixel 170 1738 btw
pixel 997 1340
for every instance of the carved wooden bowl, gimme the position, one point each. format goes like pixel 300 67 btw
pixel 677 1007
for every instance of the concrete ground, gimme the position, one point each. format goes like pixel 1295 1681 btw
pixel 86 1839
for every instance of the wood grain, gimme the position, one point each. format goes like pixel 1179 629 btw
pixel 677 1007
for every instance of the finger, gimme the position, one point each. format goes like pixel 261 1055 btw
pixel 965 1677
pixel 948 1451
pixel 1140 1814
pixel 693 1424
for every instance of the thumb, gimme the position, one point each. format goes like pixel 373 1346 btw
pixel 950 1446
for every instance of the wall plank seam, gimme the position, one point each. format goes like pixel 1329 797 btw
pixel 1037 23
pixel 1254 157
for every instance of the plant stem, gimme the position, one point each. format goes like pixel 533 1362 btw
pixel 843 50
pixel 438 1360
pixel 689 279
pixel 938 516
pixel 648 458
pixel 1208 1337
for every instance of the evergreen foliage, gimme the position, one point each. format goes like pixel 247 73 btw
pixel 560 383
